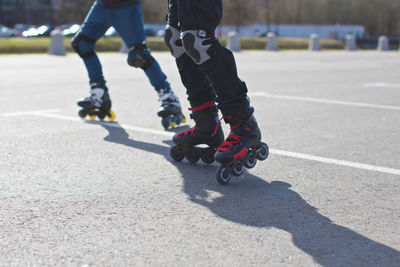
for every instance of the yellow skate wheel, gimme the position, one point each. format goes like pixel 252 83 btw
pixel 184 119
pixel 172 124
pixel 111 116
pixel 92 117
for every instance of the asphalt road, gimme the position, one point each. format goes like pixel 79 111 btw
pixel 81 193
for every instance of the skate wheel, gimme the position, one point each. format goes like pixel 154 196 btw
pixel 263 152
pixel 238 170
pixel 165 123
pixel 111 116
pixel 207 157
pixel 172 124
pixel 183 119
pixel 223 175
pixel 177 153
pixel 92 117
pixel 82 113
pixel 250 163
pixel 192 156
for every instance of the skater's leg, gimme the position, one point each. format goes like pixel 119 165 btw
pixel 93 28
pixel 198 88
pixel 243 145
pixel 207 129
pixel 129 24
pixel 198 20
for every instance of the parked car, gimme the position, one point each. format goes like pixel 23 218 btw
pixel 6 32
pixel 149 31
pixel 44 30
pixel 20 28
pixel 69 31
pixel 111 32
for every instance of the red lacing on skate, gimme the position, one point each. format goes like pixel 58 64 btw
pixel 204 106
pixel 232 139
pixel 191 130
pixel 188 132
pixel 241 154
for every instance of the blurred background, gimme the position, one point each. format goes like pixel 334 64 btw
pixel 331 19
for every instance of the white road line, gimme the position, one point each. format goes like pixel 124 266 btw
pixel 30 112
pixel 381 84
pixel 336 162
pixel 321 100
pixel 345 163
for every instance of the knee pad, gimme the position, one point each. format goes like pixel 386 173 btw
pixel 83 45
pixel 173 41
pixel 139 57
pixel 198 46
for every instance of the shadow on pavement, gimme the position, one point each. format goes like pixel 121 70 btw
pixel 254 202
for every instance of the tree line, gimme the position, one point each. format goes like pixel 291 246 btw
pixel 378 16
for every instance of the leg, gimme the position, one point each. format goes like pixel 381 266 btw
pixel 201 97
pixel 198 20
pixel 129 24
pixel 93 28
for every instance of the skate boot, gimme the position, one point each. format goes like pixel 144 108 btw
pixel 207 132
pixel 97 104
pixel 241 148
pixel 170 110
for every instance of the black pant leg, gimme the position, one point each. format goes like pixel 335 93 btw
pixel 200 14
pixel 197 86
pixel 220 69
pixel 172 17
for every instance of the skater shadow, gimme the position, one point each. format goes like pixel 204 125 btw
pixel 252 201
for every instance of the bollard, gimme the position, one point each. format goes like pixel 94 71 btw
pixel 233 42
pixel 383 43
pixel 272 42
pixel 124 49
pixel 315 43
pixel 351 44
pixel 57 45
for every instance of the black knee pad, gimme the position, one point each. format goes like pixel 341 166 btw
pixel 173 41
pixel 139 57
pixel 77 43
pixel 198 45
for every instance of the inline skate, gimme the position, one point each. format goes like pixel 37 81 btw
pixel 242 148
pixel 97 104
pixel 170 110
pixel 206 132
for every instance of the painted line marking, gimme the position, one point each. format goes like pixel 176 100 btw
pixel 321 100
pixel 381 84
pixel 278 152
pixel 336 162
pixel 34 112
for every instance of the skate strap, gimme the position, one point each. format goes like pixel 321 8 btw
pixel 216 127
pixel 229 142
pixel 204 106
pixel 188 132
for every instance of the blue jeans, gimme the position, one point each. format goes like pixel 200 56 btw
pixel 128 22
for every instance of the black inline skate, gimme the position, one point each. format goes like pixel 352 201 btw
pixel 241 148
pixel 170 110
pixel 97 104
pixel 207 131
